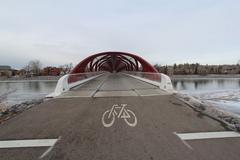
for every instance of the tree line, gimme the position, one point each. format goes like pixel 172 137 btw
pixel 34 68
pixel 197 69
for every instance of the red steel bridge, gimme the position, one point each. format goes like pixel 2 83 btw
pixel 113 62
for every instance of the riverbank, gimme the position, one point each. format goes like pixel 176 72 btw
pixel 35 78
pixel 228 119
pixel 209 76
pixel 7 112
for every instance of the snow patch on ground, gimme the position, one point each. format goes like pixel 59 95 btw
pixel 225 99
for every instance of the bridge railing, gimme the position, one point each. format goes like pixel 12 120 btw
pixel 158 79
pixel 69 81
pixel 148 75
pixel 76 79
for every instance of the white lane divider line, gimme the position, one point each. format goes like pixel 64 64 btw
pixel 27 143
pixel 207 135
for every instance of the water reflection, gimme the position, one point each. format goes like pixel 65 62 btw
pixel 206 84
pixel 34 86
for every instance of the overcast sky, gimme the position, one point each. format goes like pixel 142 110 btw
pixel 166 32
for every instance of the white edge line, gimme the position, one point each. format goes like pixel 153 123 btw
pixel 184 142
pixel 146 95
pixel 207 135
pixel 27 143
pixel 66 97
pixel 49 149
pixel 46 152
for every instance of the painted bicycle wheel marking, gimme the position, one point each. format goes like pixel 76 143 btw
pixel 119 111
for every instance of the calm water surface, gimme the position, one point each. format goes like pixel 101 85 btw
pixel 17 92
pixel 198 85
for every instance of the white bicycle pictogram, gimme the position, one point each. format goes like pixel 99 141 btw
pixel 119 111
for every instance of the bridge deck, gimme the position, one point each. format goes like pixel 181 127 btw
pixel 114 85
pixel 78 124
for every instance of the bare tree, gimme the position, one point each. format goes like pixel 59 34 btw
pixel 33 67
pixel 66 68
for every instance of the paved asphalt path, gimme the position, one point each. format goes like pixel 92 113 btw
pixel 78 121
pixel 115 82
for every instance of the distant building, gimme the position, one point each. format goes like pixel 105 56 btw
pixel 5 71
pixel 51 71
pixel 21 72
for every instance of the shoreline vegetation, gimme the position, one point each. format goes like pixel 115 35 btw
pixel 198 69
pixel 34 71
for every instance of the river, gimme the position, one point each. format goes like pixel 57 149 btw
pixel 20 91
